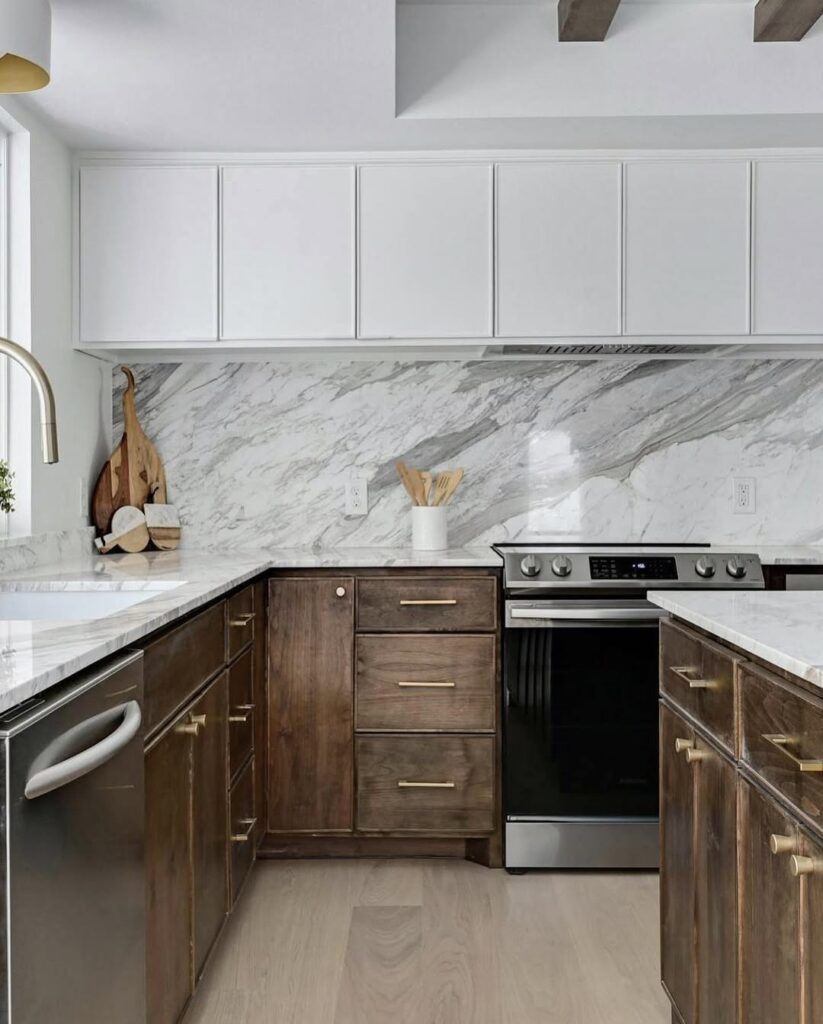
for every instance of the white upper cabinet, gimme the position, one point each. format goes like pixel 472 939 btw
pixel 148 254
pixel 288 252
pixel 788 247
pixel 686 247
pixel 425 251
pixel 558 249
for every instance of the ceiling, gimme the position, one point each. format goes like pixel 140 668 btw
pixel 292 75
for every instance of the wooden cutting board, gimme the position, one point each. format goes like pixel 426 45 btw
pixel 134 474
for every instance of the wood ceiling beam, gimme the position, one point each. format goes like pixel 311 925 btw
pixel 585 21
pixel 781 21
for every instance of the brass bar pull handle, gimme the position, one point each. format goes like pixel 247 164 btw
pixel 246 709
pixel 781 743
pixel 409 684
pixel 429 601
pixel 426 785
pixel 244 837
pixel 693 678
pixel 242 620
pixel 781 844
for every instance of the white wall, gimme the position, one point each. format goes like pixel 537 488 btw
pixel 42 186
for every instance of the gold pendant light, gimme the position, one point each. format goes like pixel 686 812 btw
pixel 25 45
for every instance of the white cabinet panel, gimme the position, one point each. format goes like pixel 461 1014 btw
pixel 288 252
pixel 687 247
pixel 425 251
pixel 148 254
pixel 558 249
pixel 788 247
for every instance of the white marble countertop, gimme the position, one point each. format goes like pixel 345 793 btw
pixel 778 554
pixel 37 654
pixel 783 628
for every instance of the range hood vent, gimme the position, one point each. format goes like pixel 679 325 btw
pixel 715 348
pixel 600 350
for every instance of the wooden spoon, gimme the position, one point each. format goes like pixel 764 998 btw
pixel 455 476
pixel 427 486
pixel 409 482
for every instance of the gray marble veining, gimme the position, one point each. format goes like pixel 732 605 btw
pixel 257 454
pixel 18 554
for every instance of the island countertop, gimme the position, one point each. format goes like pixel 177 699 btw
pixel 782 628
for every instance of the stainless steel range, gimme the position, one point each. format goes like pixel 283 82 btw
pixel 581 682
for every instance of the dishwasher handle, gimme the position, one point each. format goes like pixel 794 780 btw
pixel 75 767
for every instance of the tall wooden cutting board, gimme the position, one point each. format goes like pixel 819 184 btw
pixel 134 474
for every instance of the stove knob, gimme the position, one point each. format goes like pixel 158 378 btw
pixel 736 568
pixel 705 567
pixel 531 566
pixel 561 566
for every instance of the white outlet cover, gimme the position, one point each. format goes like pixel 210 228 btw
pixel 744 495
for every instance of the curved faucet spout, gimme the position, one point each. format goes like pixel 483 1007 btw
pixel 45 395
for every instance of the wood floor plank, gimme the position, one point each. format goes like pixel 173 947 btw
pixel 392 884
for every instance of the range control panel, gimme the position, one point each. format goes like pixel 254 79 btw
pixel 632 568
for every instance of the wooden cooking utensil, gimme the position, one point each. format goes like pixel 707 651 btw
pixel 427 485
pixel 409 482
pixel 419 486
pixel 134 474
pixel 453 482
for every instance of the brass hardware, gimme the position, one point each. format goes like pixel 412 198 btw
pixel 429 601
pixel 427 686
pixel 248 708
pixel 187 729
pixel 244 837
pixel 781 742
pixel 693 755
pixel 802 866
pixel 680 745
pixel 198 720
pixel 341 591
pixel 242 620
pixel 426 785
pixel 781 844
pixel 693 678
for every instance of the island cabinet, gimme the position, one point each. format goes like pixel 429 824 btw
pixel 200 697
pixel 383 714
pixel 741 837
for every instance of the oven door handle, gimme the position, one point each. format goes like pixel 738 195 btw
pixel 628 616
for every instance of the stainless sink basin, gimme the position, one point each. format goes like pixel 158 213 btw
pixel 74 605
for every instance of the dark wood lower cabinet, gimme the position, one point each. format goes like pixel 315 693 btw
pixel 811 889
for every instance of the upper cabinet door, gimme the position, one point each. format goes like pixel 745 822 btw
pixel 288 252
pixel 788 247
pixel 687 247
pixel 558 249
pixel 425 251
pixel 148 254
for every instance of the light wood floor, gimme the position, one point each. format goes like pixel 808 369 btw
pixel 435 942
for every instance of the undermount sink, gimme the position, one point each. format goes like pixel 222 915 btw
pixel 74 605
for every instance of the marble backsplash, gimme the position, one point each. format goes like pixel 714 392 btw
pixel 257 454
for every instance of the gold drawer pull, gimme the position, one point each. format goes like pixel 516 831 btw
pixel 429 601
pixel 803 866
pixel 781 742
pixel 242 620
pixel 407 684
pixel 244 837
pixel 187 729
pixel 426 785
pixel 781 844
pixel 692 677
pixel 680 745
pixel 248 708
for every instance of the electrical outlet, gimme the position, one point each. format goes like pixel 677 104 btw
pixel 743 495
pixel 357 495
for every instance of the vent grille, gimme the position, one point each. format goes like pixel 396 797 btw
pixel 601 350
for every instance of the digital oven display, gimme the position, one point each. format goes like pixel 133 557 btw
pixel 627 568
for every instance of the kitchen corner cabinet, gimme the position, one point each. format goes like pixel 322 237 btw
pixel 425 250
pixel 558 237
pixel 288 251
pixel 686 248
pixel 148 253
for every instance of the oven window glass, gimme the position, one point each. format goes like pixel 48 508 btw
pixel 581 721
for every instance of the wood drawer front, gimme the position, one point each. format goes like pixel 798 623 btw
pixel 426 682
pixel 794 725
pixel 177 664
pixel 241 710
pixel 241 620
pixel 386 803
pixel 699 676
pixel 242 828
pixel 420 604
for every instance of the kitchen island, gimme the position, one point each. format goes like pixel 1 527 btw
pixel 741 783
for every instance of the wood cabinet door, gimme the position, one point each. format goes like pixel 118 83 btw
pixel 169 979
pixel 677 907
pixel 261 708
pixel 311 746
pixel 148 253
pixel 769 912
pixel 210 818
pixel 558 248
pixel 425 251
pixel 811 895
pixel 715 866
pixel 686 247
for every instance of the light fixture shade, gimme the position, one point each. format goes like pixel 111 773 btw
pixel 25 45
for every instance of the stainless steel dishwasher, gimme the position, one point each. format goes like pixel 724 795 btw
pixel 73 893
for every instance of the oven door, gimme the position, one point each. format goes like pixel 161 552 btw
pixel 581 683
